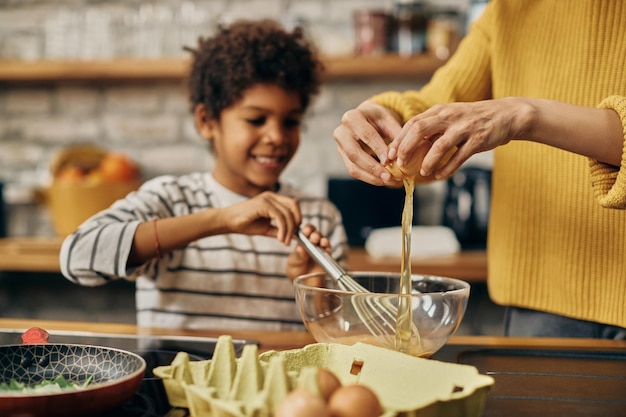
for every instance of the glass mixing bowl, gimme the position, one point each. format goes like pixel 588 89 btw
pixel 419 323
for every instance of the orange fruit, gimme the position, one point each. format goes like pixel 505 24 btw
pixel 116 167
pixel 70 173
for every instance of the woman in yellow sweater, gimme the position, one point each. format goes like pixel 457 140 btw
pixel 543 83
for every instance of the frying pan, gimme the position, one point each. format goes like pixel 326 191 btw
pixel 116 373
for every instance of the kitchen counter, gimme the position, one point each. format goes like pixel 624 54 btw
pixel 281 340
pixel 267 340
pixel 470 266
pixel 42 255
pixel 533 376
pixel 36 254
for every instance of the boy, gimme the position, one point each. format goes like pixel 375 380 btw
pixel 213 250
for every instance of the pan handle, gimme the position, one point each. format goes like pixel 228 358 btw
pixel 35 336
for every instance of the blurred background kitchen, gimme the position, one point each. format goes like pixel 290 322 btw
pixel 111 73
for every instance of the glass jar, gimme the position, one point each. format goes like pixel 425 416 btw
pixel 370 32
pixel 443 33
pixel 410 23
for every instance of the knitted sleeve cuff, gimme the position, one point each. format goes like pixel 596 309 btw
pixel 609 181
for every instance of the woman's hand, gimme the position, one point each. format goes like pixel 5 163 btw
pixel 363 133
pixel 469 127
pixel 300 262
pixel 438 141
pixel 266 214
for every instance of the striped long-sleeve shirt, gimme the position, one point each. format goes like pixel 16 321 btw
pixel 222 281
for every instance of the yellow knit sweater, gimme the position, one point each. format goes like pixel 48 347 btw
pixel 557 232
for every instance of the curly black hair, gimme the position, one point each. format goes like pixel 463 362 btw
pixel 250 52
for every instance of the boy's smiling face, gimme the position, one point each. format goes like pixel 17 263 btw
pixel 254 139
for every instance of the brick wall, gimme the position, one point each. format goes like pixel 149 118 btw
pixel 151 121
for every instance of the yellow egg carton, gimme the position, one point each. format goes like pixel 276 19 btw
pixel 254 384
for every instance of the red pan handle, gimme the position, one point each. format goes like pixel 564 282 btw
pixel 35 335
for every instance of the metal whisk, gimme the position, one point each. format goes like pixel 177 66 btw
pixel 378 315
pixel 336 271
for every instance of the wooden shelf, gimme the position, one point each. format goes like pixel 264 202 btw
pixel 345 67
pixel 417 67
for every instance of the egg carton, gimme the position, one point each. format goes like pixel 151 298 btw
pixel 254 384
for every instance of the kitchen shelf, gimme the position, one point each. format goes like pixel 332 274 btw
pixel 390 66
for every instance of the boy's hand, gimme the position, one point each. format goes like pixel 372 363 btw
pixel 299 262
pixel 267 214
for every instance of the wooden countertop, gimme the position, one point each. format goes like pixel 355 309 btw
pixel 532 376
pixel 280 340
pixel 467 265
pixel 36 254
pixel 41 254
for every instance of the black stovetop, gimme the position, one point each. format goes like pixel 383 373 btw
pixel 150 400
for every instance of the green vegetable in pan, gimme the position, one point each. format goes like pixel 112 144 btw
pixel 58 384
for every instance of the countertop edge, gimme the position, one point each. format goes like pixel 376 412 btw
pixel 282 340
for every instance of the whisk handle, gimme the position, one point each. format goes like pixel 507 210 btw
pixel 321 257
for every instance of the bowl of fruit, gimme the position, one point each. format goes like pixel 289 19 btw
pixel 85 180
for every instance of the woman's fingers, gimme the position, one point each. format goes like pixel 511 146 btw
pixel 362 166
pixel 358 128
pixel 414 141
pixel 442 138
pixel 362 140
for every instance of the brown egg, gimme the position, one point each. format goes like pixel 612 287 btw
pixel 301 403
pixel 327 382
pixel 412 170
pixel 354 401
